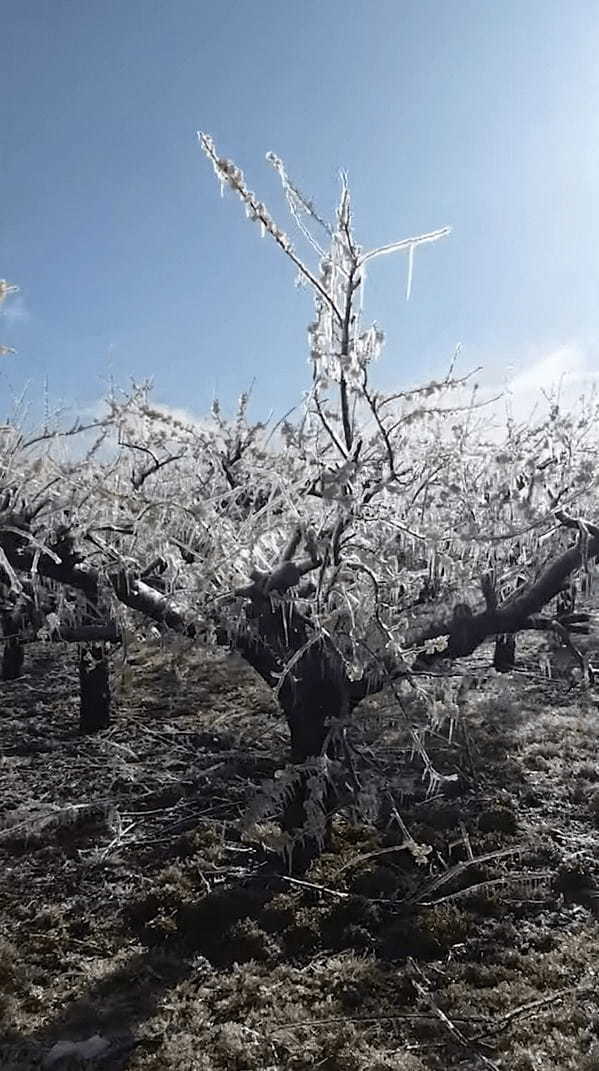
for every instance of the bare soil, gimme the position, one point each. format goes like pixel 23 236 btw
pixel 452 930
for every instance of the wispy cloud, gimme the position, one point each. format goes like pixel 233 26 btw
pixel 98 409
pixel 182 414
pixel 558 375
pixel 530 383
pixel 16 310
pixel 565 367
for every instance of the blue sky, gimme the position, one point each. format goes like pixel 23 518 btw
pixel 480 115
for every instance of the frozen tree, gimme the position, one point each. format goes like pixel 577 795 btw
pixel 353 545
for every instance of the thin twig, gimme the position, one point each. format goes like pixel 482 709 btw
pixel 528 1009
pixel 313 885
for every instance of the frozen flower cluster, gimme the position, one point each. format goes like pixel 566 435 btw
pixel 229 174
pixel 340 349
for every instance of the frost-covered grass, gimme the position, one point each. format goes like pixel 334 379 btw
pixel 150 919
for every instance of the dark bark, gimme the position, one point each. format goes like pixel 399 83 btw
pixel 13 658
pixel 74 572
pixel 14 621
pixel 513 615
pixel 313 690
pixel 94 682
pixel 504 658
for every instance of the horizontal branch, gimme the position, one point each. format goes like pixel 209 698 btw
pixel 513 615
pixel 82 576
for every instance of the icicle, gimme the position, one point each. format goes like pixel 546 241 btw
pixel 410 271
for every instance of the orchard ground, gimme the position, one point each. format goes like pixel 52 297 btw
pixel 133 907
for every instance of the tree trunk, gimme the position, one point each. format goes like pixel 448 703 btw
pixel 318 694
pixel 94 682
pixel 13 655
pixel 12 659
pixel 505 653
pixel 314 689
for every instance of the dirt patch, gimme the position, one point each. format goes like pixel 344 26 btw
pixel 454 929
